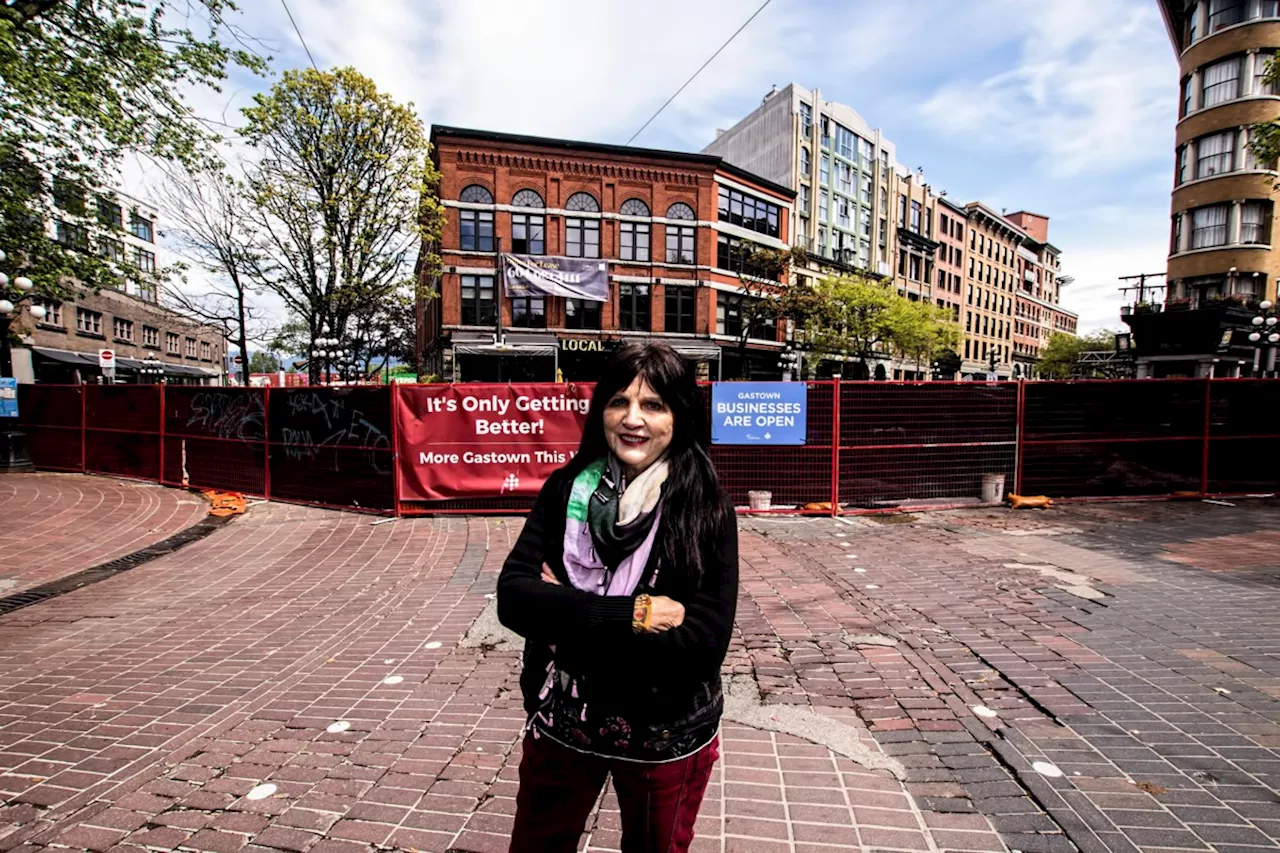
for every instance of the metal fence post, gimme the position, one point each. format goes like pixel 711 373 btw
pixel 160 476
pixel 1019 431
pixel 1204 452
pixel 395 446
pixel 835 447
pixel 84 459
pixel 266 442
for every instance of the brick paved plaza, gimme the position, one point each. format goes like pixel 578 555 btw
pixel 1098 677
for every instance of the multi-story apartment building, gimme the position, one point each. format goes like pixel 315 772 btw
pixel 990 285
pixel 1037 312
pixel 842 170
pixel 917 250
pixel 952 223
pixel 690 243
pixel 63 346
pixel 1221 260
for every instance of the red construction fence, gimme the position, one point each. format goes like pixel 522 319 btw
pixel 870 446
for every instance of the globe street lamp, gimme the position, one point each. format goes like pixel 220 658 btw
pixel 13 444
pixel 1264 334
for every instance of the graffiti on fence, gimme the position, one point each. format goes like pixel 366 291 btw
pixel 333 424
pixel 228 415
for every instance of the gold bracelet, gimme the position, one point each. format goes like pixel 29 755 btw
pixel 643 614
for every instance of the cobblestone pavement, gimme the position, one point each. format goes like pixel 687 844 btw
pixel 1132 648
pixel 57 524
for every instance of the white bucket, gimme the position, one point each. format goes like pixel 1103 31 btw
pixel 759 499
pixel 992 488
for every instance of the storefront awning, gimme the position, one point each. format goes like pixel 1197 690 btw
pixel 89 359
pixel 513 343
pixel 696 351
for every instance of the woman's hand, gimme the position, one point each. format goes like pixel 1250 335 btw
pixel 549 576
pixel 664 614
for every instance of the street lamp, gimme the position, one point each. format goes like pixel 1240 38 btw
pixel 152 369
pixel 1264 334
pixel 789 361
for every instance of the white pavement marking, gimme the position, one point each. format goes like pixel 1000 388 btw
pixel 393 679
pixel 340 726
pixel 434 644
pixel 261 792
pixel 1044 768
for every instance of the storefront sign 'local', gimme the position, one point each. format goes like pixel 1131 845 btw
pixel 458 441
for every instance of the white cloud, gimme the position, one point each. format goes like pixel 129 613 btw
pixel 1093 91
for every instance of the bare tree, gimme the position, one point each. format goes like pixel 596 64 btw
pixel 209 228
pixel 341 195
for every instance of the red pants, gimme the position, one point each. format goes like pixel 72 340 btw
pixel 558 787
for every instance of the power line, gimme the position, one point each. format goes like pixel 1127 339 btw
pixel 299 32
pixel 696 73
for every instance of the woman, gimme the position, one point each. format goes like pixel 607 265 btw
pixel 624 584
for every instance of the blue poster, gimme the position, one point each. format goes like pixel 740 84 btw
pixel 758 412
pixel 8 397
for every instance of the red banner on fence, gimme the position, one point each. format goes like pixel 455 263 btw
pixel 460 441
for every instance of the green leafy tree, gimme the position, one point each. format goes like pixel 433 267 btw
pixel 860 318
pixel 341 197
pixel 81 84
pixel 264 362
pixel 1060 359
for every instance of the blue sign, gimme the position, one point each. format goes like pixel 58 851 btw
pixel 8 397
pixel 758 412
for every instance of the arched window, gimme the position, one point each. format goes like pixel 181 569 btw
pixel 634 207
pixel 475 194
pixel 582 201
pixel 528 230
pixel 680 238
pixel 475 227
pixel 582 235
pixel 527 198
pixel 633 237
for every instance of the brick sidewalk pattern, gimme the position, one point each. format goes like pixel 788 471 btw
pixel 58 524
pixel 318 652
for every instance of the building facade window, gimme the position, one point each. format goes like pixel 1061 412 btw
pixel 681 245
pixel 842 212
pixel 151 337
pixel 171 343
pixel 824 171
pixel 141 227
pixel 52 313
pixel 633 237
pixel 479 305
pixel 729 314
pixel 806 198
pixel 806 120
pixel 475 227
pixel 680 313
pixel 189 347
pixel 824 206
pixel 529 312
pixel 581 314
pixel 806 162
pixel 754 214
pixel 73 237
pixel 845 142
pixel 913 267
pixel 633 307
pixel 1214 154
pixel 1225 13
pixel 121 329
pixel 111 250
pixel 915 216
pixel 142 259
pixel 1209 226
pixel 109 214
pixel 1253 222
pixel 1260 61
pixel 1180 172
pixel 1221 82
pixel 844 178
pixel 582 235
pixel 528 230
pixel 88 322
pixel 206 351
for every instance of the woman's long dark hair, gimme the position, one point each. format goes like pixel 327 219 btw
pixel 693 506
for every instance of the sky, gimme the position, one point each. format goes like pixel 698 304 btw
pixel 1061 107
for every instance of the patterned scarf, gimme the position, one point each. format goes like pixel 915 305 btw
pixel 611 526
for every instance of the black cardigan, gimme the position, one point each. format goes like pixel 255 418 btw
pixel 654 675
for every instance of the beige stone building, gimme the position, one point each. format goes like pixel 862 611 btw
pixel 1221 259
pixel 64 346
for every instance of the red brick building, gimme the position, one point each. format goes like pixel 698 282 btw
pixel 680 234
